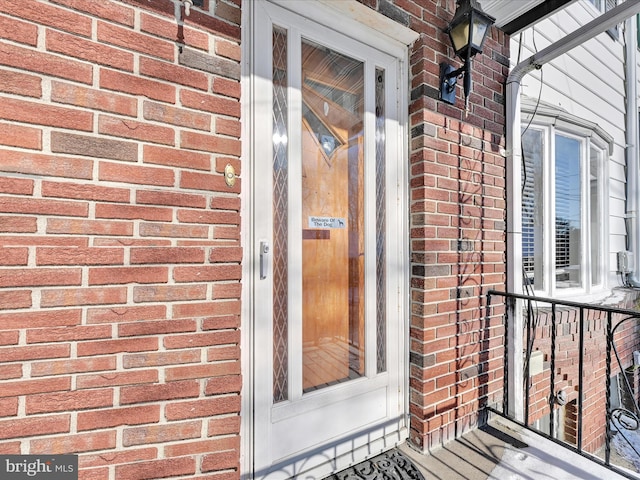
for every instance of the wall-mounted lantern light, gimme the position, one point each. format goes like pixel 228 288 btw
pixel 467 30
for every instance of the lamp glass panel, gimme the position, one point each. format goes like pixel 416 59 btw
pixel 460 36
pixel 478 33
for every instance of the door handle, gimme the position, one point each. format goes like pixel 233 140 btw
pixel 264 259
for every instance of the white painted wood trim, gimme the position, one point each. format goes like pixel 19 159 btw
pixel 345 15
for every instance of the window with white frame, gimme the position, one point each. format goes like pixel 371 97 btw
pixel 599 4
pixel 563 200
pixel 604 6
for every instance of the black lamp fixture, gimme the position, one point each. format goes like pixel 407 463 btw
pixel 467 30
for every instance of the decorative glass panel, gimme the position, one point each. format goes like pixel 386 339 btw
pixel 332 217
pixel 381 320
pixel 280 217
pixel 568 210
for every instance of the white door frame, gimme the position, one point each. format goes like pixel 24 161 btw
pixel 382 33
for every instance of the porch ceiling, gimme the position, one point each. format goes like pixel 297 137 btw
pixel 515 15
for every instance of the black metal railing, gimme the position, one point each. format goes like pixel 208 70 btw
pixel 580 375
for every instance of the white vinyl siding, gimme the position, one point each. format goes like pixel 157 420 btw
pixel 587 83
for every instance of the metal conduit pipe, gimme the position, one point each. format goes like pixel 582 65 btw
pixel 631 150
pixel 602 23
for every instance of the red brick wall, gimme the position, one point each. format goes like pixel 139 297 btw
pixel 119 239
pixel 567 375
pixel 457 232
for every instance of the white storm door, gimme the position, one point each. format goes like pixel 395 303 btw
pixel 329 236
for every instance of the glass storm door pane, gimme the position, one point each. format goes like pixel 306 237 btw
pixel 324 190
pixel 333 256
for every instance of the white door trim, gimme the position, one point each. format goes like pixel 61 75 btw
pixel 398 283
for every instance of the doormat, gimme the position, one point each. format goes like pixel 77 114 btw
pixel 391 465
